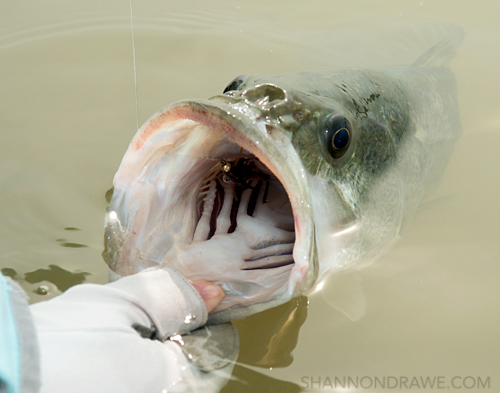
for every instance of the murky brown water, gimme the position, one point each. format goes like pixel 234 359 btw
pixel 68 113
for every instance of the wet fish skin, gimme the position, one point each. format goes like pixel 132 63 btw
pixel 347 211
pixel 405 122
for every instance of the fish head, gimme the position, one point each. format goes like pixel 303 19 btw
pixel 325 166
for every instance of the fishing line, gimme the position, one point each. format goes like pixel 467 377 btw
pixel 135 69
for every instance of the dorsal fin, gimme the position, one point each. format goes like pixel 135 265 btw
pixel 440 54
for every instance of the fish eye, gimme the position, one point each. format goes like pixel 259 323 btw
pixel 235 83
pixel 337 135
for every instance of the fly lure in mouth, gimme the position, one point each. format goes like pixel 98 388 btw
pixel 240 173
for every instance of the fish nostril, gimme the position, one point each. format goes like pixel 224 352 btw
pixel 274 93
pixel 265 93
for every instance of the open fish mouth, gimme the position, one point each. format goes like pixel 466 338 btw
pixel 208 188
pixel 252 188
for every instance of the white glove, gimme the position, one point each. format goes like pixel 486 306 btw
pixel 87 342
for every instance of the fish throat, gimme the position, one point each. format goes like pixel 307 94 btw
pixel 238 186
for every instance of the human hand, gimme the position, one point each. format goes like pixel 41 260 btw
pixel 212 294
pixel 87 342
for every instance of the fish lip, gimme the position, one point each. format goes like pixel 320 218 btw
pixel 224 116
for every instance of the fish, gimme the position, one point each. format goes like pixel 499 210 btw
pixel 283 180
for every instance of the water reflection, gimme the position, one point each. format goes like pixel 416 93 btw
pixel 9 272
pixel 64 243
pixel 267 339
pixel 245 380
pixel 108 195
pixel 61 278
pixel 51 281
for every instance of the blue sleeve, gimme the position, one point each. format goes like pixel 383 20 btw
pixel 19 368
